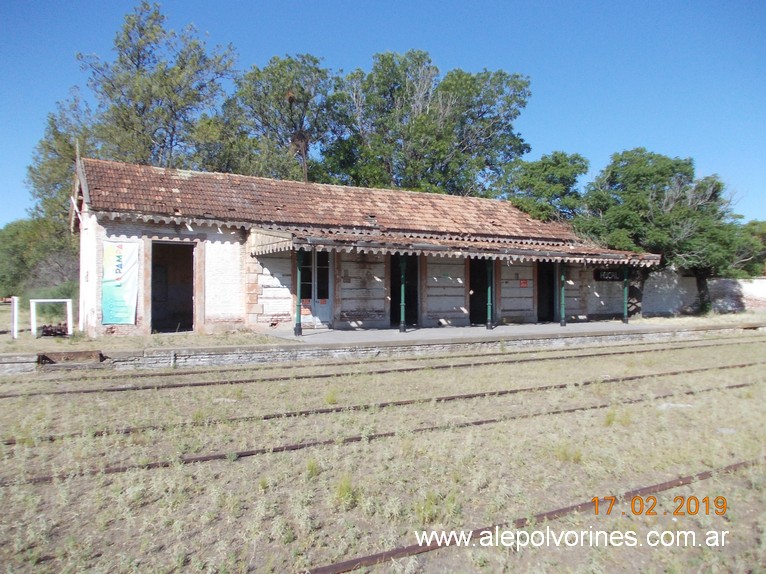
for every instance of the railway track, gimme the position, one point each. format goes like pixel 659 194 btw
pixel 233 456
pixel 426 363
pixel 375 406
pixel 519 523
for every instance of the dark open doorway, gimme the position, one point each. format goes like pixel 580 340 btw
pixel 410 289
pixel 546 291
pixel 480 278
pixel 172 287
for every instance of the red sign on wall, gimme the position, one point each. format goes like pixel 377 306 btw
pixel 523 283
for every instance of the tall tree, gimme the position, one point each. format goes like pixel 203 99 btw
pixel 49 176
pixel 547 188
pixel 643 201
pixel 755 231
pixel 401 125
pixel 155 89
pixel 284 107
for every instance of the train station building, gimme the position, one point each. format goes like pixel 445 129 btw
pixel 171 250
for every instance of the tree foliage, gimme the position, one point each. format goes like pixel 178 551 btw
pixel 643 201
pixel 401 125
pixel 155 89
pixel 287 104
pixel 547 188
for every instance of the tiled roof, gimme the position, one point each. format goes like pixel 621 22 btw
pixel 337 217
pixel 128 188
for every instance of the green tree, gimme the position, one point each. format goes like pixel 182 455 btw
pixel 755 237
pixel 50 175
pixel 547 188
pixel 284 109
pixel 155 89
pixel 33 254
pixel 401 125
pixel 643 201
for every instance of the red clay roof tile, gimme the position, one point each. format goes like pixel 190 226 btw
pixel 115 186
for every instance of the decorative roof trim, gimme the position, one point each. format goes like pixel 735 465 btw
pixel 269 244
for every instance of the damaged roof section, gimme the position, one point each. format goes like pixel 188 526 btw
pixel 297 214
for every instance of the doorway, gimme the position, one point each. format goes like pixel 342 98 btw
pixel 172 287
pixel 410 264
pixel 316 297
pixel 546 291
pixel 480 281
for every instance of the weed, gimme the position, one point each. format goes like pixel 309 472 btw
pixel 312 468
pixel 567 453
pixel 620 416
pixel 331 398
pixel 198 417
pixel 346 496
pixel 427 509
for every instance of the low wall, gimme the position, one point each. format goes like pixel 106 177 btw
pixel 667 293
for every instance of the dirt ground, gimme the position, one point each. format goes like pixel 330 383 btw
pixel 78 342
pixel 291 511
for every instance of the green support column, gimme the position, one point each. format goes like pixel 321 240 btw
pixel 402 269
pixel 490 263
pixel 562 297
pixel 299 264
pixel 625 295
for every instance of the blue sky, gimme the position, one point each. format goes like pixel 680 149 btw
pixel 684 79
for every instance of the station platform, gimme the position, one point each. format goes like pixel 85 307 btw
pixel 530 331
pixel 322 344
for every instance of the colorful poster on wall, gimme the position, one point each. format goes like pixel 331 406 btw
pixel 119 289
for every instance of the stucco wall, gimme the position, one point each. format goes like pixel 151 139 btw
pixel 445 292
pixel 363 291
pixel 273 284
pixel 517 293
pixel 224 279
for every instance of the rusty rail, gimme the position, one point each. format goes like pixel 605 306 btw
pixel 379 405
pixel 45 479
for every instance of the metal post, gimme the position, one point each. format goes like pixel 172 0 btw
pixel 489 293
pixel 625 295
pixel 299 263
pixel 562 298
pixel 402 269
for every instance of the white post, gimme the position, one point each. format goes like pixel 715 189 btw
pixel 69 326
pixel 33 316
pixel 15 317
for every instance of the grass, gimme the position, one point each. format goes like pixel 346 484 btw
pixel 286 512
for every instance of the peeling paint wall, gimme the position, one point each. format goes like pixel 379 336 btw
pixel 219 273
pixel 89 278
pixel 517 293
pixel 363 291
pixel 224 279
pixel 274 301
pixel 445 292
pixel 666 293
